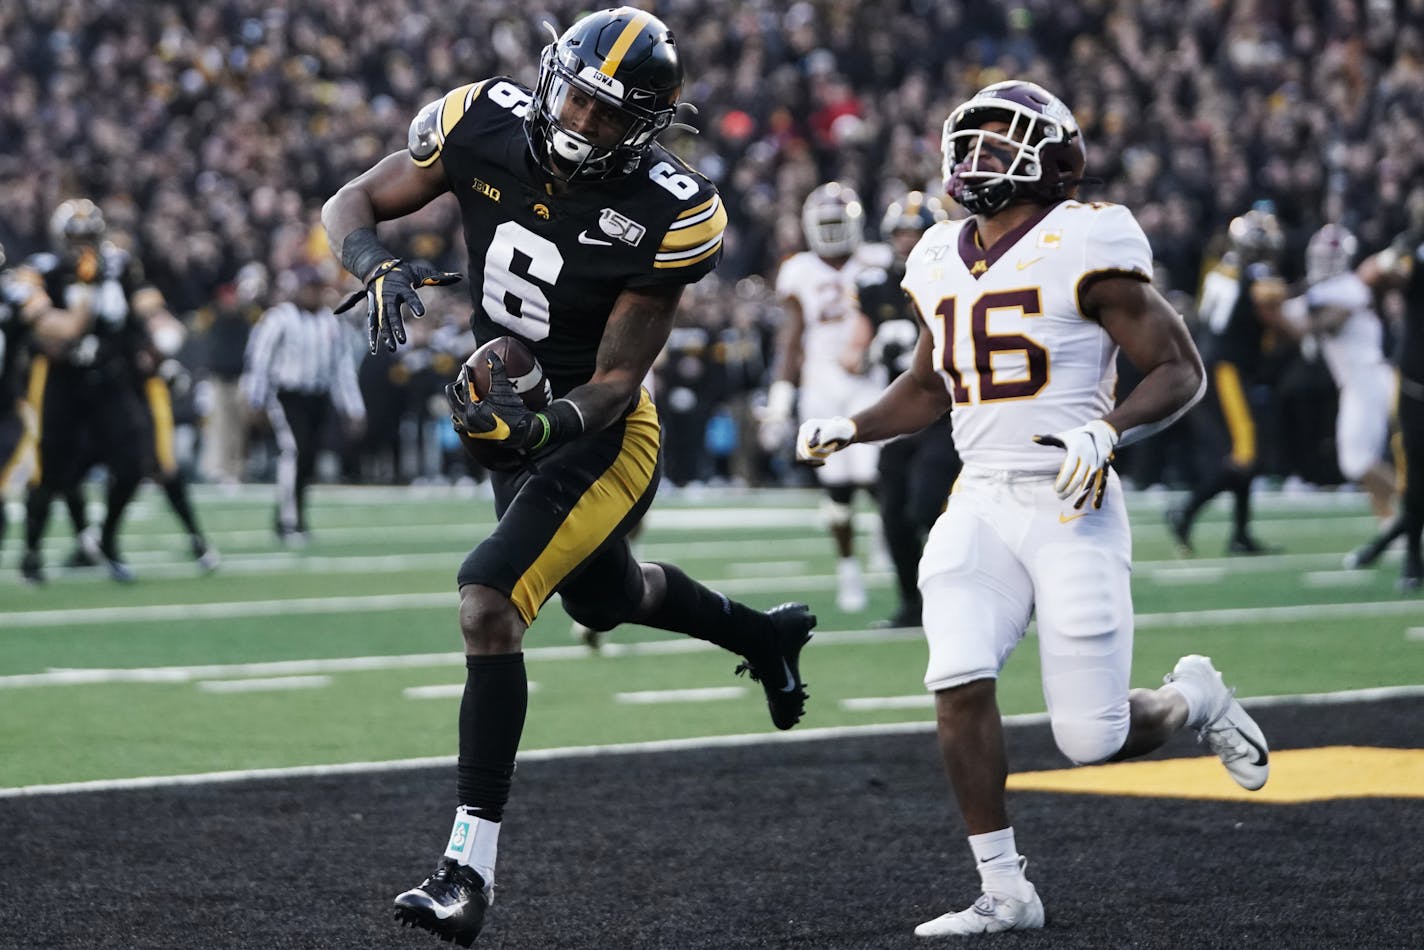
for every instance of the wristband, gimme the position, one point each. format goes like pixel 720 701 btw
pixel 362 253
pixel 562 421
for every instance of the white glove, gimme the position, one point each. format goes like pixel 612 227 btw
pixel 774 433
pixel 819 438
pixel 1089 449
pixel 777 419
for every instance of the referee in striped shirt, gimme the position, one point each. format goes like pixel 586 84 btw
pixel 300 362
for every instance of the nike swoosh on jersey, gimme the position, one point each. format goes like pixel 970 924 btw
pixel 1064 519
pixel 585 239
pixel 1026 264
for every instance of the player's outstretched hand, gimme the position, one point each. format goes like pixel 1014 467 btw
pixel 1088 452
pixel 820 438
pixel 392 285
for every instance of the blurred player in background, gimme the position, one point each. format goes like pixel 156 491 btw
pixel 301 361
pixel 1336 314
pixel 1399 268
pixel 915 471
pixel 27 317
pixel 1240 307
pixel 1027 304
pixel 823 365
pixel 582 232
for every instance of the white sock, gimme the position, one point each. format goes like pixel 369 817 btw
pixel 997 858
pixel 474 842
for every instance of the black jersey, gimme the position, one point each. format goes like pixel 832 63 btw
pixel 1235 332
pixel 1411 350
pixel 15 292
pixel 548 267
pixel 102 282
pixel 883 301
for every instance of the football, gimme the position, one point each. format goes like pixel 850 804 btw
pixel 520 364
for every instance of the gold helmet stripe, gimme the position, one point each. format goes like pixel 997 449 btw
pixel 625 40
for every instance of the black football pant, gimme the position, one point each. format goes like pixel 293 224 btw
pixel 297 419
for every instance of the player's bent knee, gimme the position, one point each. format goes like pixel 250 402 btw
pixel 1089 741
pixel 836 513
pixel 489 621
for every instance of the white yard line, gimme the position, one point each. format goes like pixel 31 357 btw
pixel 709 694
pixel 270 684
pixel 665 745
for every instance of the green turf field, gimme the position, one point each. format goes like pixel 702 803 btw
pixel 348 650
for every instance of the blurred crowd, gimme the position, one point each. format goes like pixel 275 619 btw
pixel 210 135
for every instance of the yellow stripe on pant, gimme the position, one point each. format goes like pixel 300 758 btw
pixel 160 410
pixel 1232 398
pixel 598 512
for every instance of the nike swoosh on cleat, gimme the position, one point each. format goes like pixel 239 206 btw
pixel 1262 756
pixel 790 686
pixel 585 239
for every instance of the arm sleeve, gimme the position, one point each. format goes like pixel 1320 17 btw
pixel 256 384
pixel 345 387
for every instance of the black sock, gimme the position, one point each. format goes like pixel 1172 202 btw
pixel 689 607
pixel 1241 511
pixel 177 491
pixel 491 722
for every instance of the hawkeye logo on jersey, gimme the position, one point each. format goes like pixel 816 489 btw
pixel 623 228
pixel 541 211
pixel 486 189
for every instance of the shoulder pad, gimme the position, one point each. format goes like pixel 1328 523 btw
pixel 434 122
pixel 425 138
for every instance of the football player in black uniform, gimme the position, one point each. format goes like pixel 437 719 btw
pixel 1401 267
pixel 1240 305
pixel 582 231
pixel 916 471
pixel 98 398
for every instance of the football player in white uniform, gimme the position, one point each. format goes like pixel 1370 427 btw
pixel 1027 304
pixel 1337 311
pixel 823 348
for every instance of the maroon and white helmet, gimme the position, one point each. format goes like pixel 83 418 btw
pixel 1039 157
pixel 833 220
pixel 1329 253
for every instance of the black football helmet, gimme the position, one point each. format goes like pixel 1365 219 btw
pixel 1039 157
pixel 1256 235
pixel 914 211
pixel 606 89
pixel 76 221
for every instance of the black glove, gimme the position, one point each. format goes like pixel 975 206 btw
pixel 501 417
pixel 391 285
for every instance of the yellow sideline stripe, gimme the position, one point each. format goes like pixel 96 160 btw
pixel 1297 775
pixel 625 40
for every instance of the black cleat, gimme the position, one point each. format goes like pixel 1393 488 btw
pixel 1411 575
pixel 119 572
pixel 1366 554
pixel 205 554
pixel 450 903
pixel 1181 530
pixel 1245 544
pixel 779 673
pixel 31 568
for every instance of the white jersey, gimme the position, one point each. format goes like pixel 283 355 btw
pixel 1357 347
pixel 1010 338
pixel 826 296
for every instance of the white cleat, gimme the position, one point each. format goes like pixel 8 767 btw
pixel 850 587
pixel 1229 730
pixel 990 914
